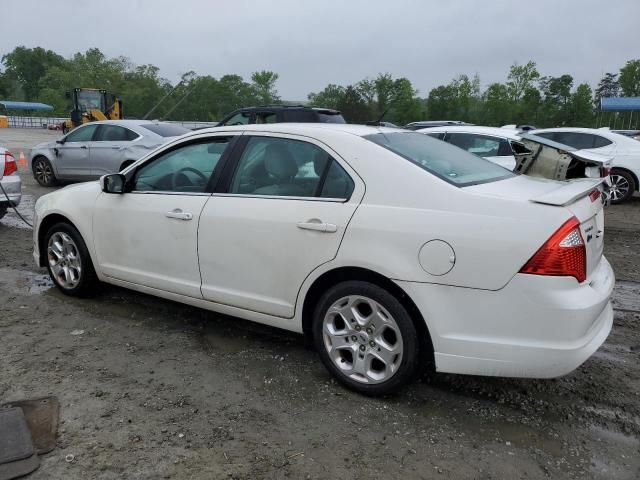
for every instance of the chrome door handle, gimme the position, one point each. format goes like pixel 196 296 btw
pixel 318 226
pixel 179 215
pixel 83 147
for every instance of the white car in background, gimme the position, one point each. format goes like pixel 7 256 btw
pixel 390 249
pixel 11 191
pixel 624 152
pixel 498 145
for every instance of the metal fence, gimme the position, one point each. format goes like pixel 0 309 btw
pixel 16 121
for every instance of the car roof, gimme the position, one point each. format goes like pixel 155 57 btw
pixel 303 128
pixel 128 123
pixel 287 107
pixel 606 133
pixel 511 133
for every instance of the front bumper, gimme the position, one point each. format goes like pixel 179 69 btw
pixel 541 327
pixel 12 184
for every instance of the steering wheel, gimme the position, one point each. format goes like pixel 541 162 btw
pixel 176 176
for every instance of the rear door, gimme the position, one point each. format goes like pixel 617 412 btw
pixel 280 212
pixel 73 156
pixel 107 148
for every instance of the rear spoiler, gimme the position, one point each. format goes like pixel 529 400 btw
pixel 569 192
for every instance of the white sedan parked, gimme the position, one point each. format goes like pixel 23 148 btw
pixel 390 249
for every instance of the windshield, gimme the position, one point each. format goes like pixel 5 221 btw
pixel 166 129
pixel 90 100
pixel 446 161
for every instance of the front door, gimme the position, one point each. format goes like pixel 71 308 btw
pixel 148 236
pixel 282 214
pixel 74 155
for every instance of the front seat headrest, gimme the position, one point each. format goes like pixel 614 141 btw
pixel 279 162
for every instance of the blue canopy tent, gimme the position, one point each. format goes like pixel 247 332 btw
pixel 620 104
pixel 34 106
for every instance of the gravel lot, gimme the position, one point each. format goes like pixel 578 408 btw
pixel 154 389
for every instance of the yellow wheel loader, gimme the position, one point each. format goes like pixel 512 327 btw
pixel 90 105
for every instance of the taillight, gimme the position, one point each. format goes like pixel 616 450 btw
pixel 605 172
pixel 9 164
pixel 594 195
pixel 563 255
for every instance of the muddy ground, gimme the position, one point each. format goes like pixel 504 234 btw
pixel 154 389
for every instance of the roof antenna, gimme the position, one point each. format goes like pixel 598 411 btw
pixel 377 123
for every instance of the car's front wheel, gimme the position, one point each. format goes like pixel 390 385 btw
pixel 366 338
pixel 43 172
pixel 68 260
pixel 622 186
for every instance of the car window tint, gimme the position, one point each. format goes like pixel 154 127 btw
pixel 266 117
pixel 579 140
pixel 481 145
pixel 81 134
pixel 330 117
pixel 599 141
pixel 299 116
pixel 166 129
pixel 439 136
pixel 337 184
pixel 440 159
pixel 241 118
pixel 280 167
pixel 114 133
pixel 184 169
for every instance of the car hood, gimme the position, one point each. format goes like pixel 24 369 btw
pixel 557 161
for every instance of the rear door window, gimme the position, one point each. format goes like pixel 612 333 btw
pixel 285 167
pixel 579 140
pixel 115 133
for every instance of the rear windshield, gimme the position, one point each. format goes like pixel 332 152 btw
pixel 166 129
pixel 330 117
pixel 446 161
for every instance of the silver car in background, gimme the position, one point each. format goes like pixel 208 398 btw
pixel 97 148
pixel 11 191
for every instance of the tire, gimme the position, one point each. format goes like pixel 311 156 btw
pixel 43 172
pixel 370 358
pixel 622 186
pixel 68 261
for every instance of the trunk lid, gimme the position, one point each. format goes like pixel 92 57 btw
pixel 583 198
pixel 556 161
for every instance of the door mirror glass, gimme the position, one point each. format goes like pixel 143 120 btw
pixel 113 183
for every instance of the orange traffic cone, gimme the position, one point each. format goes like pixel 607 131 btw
pixel 22 162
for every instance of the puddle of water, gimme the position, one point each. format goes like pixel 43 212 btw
pixel 25 282
pixel 26 208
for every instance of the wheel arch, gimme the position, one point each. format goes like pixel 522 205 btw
pixel 630 172
pixel 342 274
pixel 53 164
pixel 45 224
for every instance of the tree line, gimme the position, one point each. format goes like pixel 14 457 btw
pixel 37 74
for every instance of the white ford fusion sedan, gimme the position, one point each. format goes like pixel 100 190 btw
pixel 391 250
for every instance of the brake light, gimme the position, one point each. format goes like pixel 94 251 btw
pixel 10 165
pixel 563 255
pixel 605 172
pixel 594 195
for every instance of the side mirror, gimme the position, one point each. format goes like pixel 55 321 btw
pixel 113 183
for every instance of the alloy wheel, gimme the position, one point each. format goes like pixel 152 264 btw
pixel 362 339
pixel 43 172
pixel 619 187
pixel 64 260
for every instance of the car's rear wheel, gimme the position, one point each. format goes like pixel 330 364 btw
pixel 68 260
pixel 366 338
pixel 622 186
pixel 43 172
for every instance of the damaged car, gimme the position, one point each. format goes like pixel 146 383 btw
pixel 390 250
pixel 97 148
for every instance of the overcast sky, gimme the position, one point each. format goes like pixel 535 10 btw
pixel 312 43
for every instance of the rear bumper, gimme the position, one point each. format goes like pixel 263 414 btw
pixel 12 184
pixel 541 327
